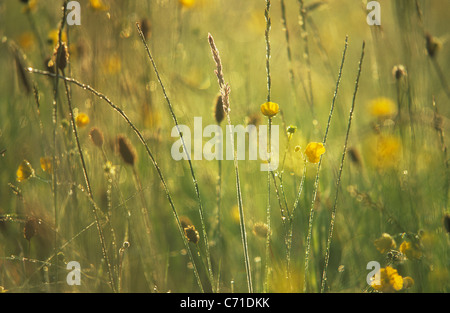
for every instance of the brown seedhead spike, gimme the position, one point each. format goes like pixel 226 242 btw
pixel 60 56
pixel 96 136
pixel 219 113
pixel 126 150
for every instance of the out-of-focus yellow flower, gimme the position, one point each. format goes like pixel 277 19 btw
pixel 382 107
pixel 98 5
pixel 26 41
pixel 187 3
pixel 112 65
pixel 412 251
pixel 279 283
pixel 313 151
pixel 385 243
pixel 390 280
pixel 82 119
pixel 270 109
pixel 235 214
pixel 24 171
pixel 52 37
pixel 384 151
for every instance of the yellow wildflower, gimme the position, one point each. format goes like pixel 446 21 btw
pixel 313 151
pixel 385 243
pixel 270 109
pixel 24 171
pixel 382 107
pixel 412 251
pixel 46 164
pixel 26 41
pixel 384 151
pixel 98 5
pixel 112 65
pixel 390 280
pixel 82 120
pixel 187 3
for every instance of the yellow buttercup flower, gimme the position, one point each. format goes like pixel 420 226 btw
pixel 270 109
pixel 384 151
pixel 382 107
pixel 390 280
pixel 313 151
pixel 385 243
pixel 24 171
pixel 82 120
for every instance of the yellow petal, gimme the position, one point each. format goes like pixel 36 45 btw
pixel 270 109
pixel 82 119
pixel 313 151
pixel 24 171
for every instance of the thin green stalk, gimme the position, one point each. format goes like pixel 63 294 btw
pixel 54 126
pixel 306 56
pixel 218 197
pixel 288 49
pixel 333 212
pixel 269 145
pixel 440 132
pixel 316 181
pixel 197 191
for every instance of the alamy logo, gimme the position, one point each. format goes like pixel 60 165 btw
pixel 213 149
pixel 374 16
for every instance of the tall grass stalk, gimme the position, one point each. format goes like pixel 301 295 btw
pixel 54 130
pixel 225 92
pixel 288 49
pixel 316 181
pixel 269 147
pixel 440 132
pixel 338 181
pixel 306 56
pixel 197 190
pixel 149 153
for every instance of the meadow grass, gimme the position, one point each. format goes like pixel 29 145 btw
pixel 87 175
